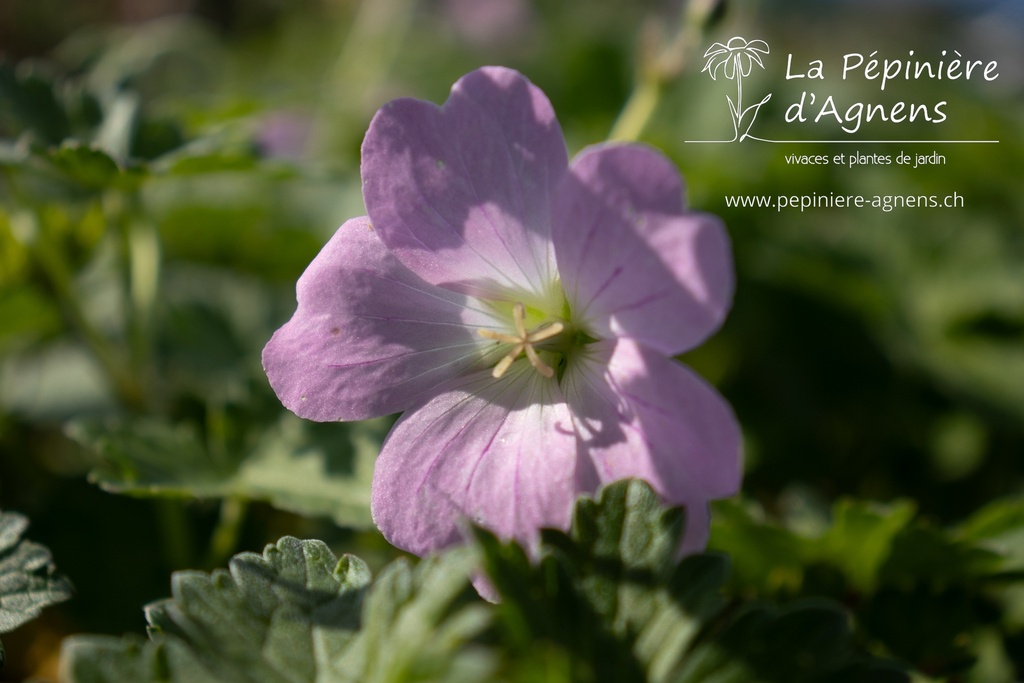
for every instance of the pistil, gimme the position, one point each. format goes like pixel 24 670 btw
pixel 523 342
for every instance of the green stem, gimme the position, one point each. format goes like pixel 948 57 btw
pixel 638 110
pixel 661 68
pixel 175 532
pixel 139 255
pixel 225 536
pixel 53 263
pixel 373 40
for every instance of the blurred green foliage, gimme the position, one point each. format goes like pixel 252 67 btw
pixel 165 178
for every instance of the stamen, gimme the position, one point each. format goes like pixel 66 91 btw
pixel 519 317
pixel 523 342
pixel 536 362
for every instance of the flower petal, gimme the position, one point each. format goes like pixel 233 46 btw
pixel 633 263
pixel 698 528
pixel 500 453
pixel 369 336
pixel 639 414
pixel 461 194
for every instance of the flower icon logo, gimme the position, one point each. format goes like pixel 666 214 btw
pixel 735 59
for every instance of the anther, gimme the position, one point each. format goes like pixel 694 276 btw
pixel 523 342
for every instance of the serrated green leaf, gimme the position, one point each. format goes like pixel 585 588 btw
pixel 915 587
pixel 90 167
pixel 315 469
pixel 767 560
pixel 807 641
pixel 861 537
pixel 284 616
pixel 296 465
pixel 623 553
pixel 415 618
pixel 999 526
pixel 613 599
pixel 925 554
pixel 285 613
pixel 28 579
pixel 150 456
pixel 296 615
pixel 108 659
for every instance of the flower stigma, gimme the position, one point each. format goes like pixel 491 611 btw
pixel 523 342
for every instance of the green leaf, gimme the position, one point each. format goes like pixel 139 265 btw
pixel 89 167
pixel 861 538
pixel 151 456
pixel 803 642
pixel 28 581
pixel 282 616
pixel 767 560
pixel 285 612
pixel 108 659
pixel 414 618
pixel 297 614
pixel 30 103
pixel 999 526
pixel 28 315
pixel 925 554
pixel 316 469
pixel 296 465
pixel 613 600
pixel 926 593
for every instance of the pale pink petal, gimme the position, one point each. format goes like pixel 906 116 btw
pixel 698 528
pixel 497 452
pixel 369 336
pixel 639 414
pixel 633 262
pixel 461 194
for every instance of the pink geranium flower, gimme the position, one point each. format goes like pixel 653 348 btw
pixel 523 312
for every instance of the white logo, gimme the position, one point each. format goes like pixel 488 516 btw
pixel 736 59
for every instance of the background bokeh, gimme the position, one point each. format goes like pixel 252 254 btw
pixel 875 359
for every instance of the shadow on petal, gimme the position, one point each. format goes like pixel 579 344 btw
pixel 461 193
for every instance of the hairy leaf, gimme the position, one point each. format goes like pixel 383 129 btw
pixel 28 579
pixel 614 601
pixel 297 466
pixel 297 614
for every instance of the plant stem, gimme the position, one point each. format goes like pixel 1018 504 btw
pixel 373 39
pixel 225 535
pixel 662 66
pixel 176 535
pixel 638 110
pixel 51 258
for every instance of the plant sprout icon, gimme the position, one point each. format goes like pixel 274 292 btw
pixel 736 59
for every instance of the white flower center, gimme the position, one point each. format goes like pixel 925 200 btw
pixel 523 342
